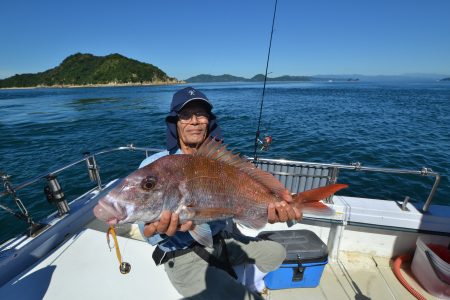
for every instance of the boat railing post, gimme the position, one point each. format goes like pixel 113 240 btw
pixel 10 190
pixel 433 191
pixel 93 169
pixel 405 203
pixel 333 179
pixel 55 195
pixel 34 227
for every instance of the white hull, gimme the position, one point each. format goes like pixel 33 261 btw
pixel 83 267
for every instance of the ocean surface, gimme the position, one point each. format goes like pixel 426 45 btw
pixel 392 125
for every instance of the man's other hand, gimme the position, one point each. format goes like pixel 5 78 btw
pixel 282 212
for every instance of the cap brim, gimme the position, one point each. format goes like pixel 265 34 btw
pixel 196 99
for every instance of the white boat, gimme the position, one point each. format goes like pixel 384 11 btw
pixel 68 258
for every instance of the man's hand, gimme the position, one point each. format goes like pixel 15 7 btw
pixel 167 224
pixel 282 212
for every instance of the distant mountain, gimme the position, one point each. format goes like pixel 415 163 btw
pixel 86 69
pixel 213 78
pixel 445 79
pixel 231 78
pixel 410 77
pixel 260 78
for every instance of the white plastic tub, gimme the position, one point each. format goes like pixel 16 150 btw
pixel 425 273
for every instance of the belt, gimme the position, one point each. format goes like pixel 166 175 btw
pixel 220 261
pixel 160 257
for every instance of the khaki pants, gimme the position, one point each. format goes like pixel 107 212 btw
pixel 195 279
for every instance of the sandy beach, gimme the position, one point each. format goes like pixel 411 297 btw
pixel 110 84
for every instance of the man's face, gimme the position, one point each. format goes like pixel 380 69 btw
pixel 192 124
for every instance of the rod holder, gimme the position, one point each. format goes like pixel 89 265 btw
pixel 93 169
pixel 55 195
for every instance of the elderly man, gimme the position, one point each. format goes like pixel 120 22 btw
pixel 196 271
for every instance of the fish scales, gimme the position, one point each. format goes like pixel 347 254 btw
pixel 212 184
pixel 215 184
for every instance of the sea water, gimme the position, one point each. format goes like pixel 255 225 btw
pixel 392 124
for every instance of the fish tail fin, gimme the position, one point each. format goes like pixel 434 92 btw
pixel 308 201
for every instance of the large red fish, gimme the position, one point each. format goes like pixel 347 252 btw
pixel 210 185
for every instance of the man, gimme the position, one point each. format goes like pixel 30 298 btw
pixel 195 271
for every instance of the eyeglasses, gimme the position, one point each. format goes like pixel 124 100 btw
pixel 185 116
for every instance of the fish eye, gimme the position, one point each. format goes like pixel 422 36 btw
pixel 148 183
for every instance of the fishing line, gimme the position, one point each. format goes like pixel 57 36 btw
pixel 264 86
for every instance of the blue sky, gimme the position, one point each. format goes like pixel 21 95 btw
pixel 186 38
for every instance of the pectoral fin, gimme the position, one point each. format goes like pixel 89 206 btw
pixel 257 223
pixel 202 234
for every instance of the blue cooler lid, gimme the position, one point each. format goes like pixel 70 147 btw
pixel 301 245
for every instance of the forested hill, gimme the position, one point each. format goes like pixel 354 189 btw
pixel 231 78
pixel 260 77
pixel 86 69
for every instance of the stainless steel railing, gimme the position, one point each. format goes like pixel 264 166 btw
pixel 335 168
pixel 53 189
pixel 286 168
pixel 76 162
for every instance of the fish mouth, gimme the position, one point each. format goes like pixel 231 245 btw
pixel 110 212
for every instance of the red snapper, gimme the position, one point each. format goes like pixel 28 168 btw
pixel 212 184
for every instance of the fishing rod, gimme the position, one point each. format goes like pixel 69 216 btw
pixel 267 140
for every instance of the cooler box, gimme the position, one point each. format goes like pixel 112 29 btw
pixel 306 257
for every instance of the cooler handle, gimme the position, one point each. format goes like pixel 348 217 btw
pixel 298 272
pixel 427 253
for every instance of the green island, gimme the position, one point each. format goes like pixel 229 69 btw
pixel 259 78
pixel 79 70
pixel 87 70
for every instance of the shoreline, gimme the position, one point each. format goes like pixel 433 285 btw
pixel 111 84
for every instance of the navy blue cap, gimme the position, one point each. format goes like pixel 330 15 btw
pixel 179 100
pixel 186 95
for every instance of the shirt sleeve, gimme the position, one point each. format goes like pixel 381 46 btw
pixel 152 158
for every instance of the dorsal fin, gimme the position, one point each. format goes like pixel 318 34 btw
pixel 215 150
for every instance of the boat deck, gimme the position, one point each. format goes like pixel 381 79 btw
pixel 355 276
pixel 65 274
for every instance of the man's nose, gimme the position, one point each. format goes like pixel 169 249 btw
pixel 193 119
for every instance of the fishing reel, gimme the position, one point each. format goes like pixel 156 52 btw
pixel 265 143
